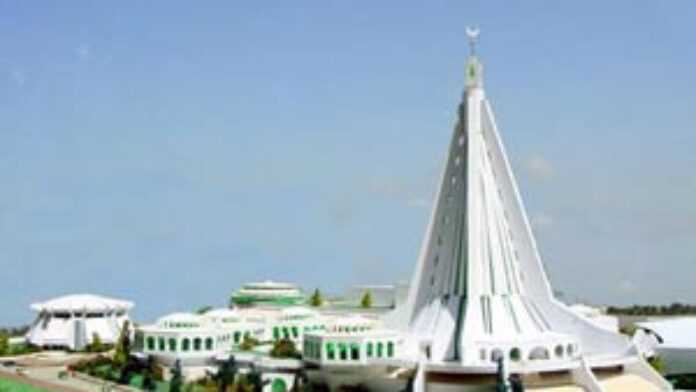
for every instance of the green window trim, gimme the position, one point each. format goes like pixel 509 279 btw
pixel 160 343
pixel 330 351
pixel 343 351
pixel 276 333
pixel 380 349
pixel 369 349
pixel 185 344
pixel 150 343
pixel 209 344
pixel 238 337
pixel 172 344
pixel 390 349
pixel 355 351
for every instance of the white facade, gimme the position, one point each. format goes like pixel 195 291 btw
pixel 72 321
pixel 196 339
pixel 480 294
pixel 673 340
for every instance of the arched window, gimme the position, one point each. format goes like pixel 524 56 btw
pixel 539 353
pixel 342 351
pixel 209 344
pixel 330 351
pixel 380 350
pixel 355 351
pixel 515 354
pixel 276 333
pixel 172 344
pixel 150 342
pixel 390 349
pixel 558 351
pixel 369 349
pixel 286 333
pixel 160 343
pixel 570 350
pixel 295 332
pixel 197 344
pixel 238 337
pixel 185 344
pixel 279 385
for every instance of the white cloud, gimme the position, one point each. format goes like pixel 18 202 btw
pixel 83 52
pixel 539 168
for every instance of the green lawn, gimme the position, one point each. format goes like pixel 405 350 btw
pixel 12 386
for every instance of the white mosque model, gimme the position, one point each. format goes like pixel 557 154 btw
pixel 480 302
pixel 74 321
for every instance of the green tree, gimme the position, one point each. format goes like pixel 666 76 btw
pixel 177 381
pixel 242 384
pixel 4 343
pixel 255 379
pixel 316 299
pixel 148 381
pixel 226 374
pixel 96 346
pixel 366 301
pixel 248 343
pixel 285 348
pixel 123 346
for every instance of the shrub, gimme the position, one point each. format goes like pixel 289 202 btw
pixel 248 343
pixel 285 348
pixel 657 363
pixel 4 343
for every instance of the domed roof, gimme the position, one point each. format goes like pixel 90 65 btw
pixel 270 285
pixel 82 302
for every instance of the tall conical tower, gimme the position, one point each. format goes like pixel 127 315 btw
pixel 479 290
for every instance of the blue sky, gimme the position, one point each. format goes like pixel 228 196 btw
pixel 166 153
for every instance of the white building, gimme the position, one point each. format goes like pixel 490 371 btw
pixel 673 340
pixel 480 298
pixel 195 339
pixel 201 339
pixel 268 293
pixel 72 321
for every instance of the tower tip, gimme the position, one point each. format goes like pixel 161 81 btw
pixel 473 33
